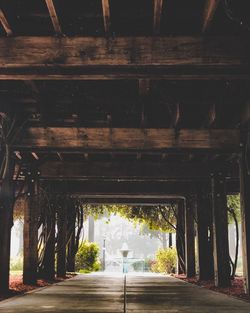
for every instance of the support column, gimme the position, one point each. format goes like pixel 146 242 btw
pixel 204 236
pixel 6 222
pixel 48 266
pixel 220 231
pixel 190 237
pixel 61 240
pixel 71 248
pixel 91 230
pixel 30 232
pixel 245 216
pixel 180 237
pixel 170 240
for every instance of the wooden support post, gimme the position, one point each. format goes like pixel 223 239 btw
pixel 204 236
pixel 220 231
pixel 245 216
pixel 48 266
pixel 6 222
pixel 71 247
pixel 190 236
pixel 30 231
pixel 170 240
pixel 180 237
pixel 61 240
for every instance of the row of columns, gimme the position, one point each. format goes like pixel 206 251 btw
pixel 208 208
pixel 59 253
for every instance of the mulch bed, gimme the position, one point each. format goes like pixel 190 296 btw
pixel 236 290
pixel 18 288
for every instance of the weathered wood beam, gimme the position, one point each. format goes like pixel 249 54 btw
pixel 5 23
pixel 158 5
pixel 34 58
pixel 53 16
pixel 120 187
pixel 209 12
pixel 144 90
pixel 115 169
pixel 127 138
pixel 106 15
pixel 100 199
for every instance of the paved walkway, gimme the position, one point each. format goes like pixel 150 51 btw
pixel 130 294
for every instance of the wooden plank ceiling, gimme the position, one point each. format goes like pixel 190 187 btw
pixel 159 81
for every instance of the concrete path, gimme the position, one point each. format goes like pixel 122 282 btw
pixel 130 294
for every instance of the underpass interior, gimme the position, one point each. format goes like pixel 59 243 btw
pixel 113 101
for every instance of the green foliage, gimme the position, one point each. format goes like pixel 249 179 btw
pixel 166 260
pixel 16 264
pixel 87 257
pixel 233 203
pixel 158 218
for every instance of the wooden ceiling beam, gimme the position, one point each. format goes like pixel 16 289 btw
pixel 127 138
pixel 158 6
pixel 106 16
pixel 144 90
pixel 54 16
pixel 134 169
pixel 122 188
pixel 209 12
pixel 36 58
pixel 5 23
pixel 176 116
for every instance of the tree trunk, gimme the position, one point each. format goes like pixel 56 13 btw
pixel 6 223
pixel 220 232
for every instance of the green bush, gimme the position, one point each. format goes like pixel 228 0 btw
pixel 16 264
pixel 87 258
pixel 165 262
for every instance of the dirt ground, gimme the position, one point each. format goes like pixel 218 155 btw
pixel 236 290
pixel 17 287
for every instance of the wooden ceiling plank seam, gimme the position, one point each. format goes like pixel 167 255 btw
pixel 54 17
pixel 209 13
pixel 106 16
pixel 5 23
pixel 158 6
pixel 144 90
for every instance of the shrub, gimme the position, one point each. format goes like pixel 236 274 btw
pixel 87 257
pixel 16 264
pixel 166 260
